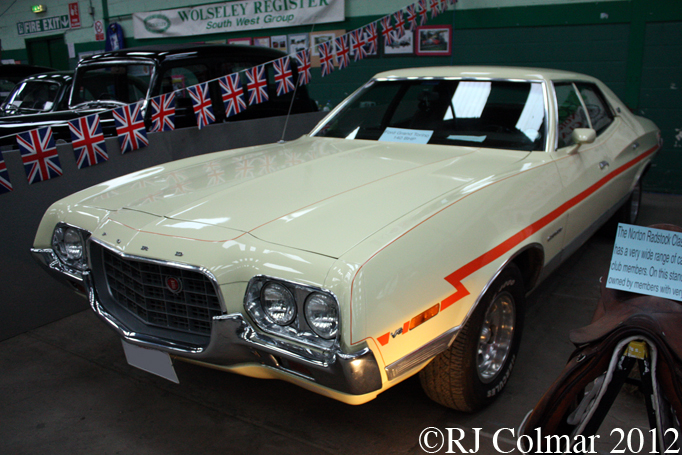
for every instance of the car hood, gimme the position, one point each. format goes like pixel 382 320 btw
pixel 314 194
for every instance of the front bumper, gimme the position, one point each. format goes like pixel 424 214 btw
pixel 235 343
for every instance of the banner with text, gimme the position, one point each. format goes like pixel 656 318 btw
pixel 236 16
pixel 647 261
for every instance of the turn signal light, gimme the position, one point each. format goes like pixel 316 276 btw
pixel 425 316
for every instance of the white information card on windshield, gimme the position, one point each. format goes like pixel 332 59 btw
pixel 647 261
pixel 406 136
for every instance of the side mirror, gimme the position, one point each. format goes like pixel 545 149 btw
pixel 582 136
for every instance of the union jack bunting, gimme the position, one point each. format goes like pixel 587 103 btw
pixel 303 63
pixel 399 23
pixel 443 5
pixel 201 102
pixel 88 141
pixel 422 12
pixel 387 29
pixel 130 127
pixel 232 94
pixel 357 44
pixel 372 38
pixel 257 84
pixel 326 58
pixel 284 78
pixel 5 184
pixel 435 8
pixel 163 112
pixel 411 19
pixel 39 154
pixel 342 51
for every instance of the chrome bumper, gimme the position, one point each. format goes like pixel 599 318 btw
pixel 235 342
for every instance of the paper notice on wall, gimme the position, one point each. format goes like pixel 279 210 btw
pixel 647 261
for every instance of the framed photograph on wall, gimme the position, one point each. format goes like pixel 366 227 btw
pixel 400 46
pixel 434 40
pixel 298 42
pixel 279 42
pixel 320 37
pixel 263 41
pixel 240 41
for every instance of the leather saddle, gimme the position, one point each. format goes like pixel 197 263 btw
pixel 578 400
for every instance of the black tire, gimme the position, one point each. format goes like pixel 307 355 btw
pixel 460 377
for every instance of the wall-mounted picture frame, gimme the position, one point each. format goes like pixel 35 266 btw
pixel 399 46
pixel 298 42
pixel 434 40
pixel 240 41
pixel 318 38
pixel 262 41
pixel 279 42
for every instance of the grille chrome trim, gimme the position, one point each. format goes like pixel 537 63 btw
pixel 137 285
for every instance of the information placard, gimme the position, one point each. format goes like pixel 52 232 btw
pixel 404 135
pixel 647 261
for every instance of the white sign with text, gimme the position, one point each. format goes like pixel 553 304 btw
pixel 647 261
pixel 407 136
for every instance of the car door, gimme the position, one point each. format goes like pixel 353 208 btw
pixel 584 169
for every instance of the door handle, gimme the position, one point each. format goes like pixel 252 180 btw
pixel 603 165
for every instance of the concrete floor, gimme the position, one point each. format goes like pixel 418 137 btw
pixel 66 388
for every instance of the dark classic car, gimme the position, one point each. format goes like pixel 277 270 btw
pixel 103 82
pixel 11 74
pixel 39 93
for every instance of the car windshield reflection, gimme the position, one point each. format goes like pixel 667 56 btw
pixel 491 114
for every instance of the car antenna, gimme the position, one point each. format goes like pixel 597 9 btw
pixel 293 96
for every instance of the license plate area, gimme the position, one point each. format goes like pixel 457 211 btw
pixel 151 361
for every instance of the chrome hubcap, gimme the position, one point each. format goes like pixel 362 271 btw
pixel 496 337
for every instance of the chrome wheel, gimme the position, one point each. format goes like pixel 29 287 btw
pixel 496 336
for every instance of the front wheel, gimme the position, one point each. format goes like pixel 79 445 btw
pixel 475 369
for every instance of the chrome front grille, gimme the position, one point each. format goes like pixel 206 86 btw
pixel 146 290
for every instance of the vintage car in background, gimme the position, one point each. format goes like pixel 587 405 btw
pixel 37 94
pixel 11 74
pixel 400 236
pixel 103 82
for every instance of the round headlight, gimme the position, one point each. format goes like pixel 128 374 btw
pixel 322 315
pixel 69 245
pixel 278 304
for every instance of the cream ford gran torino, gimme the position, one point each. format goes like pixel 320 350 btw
pixel 400 236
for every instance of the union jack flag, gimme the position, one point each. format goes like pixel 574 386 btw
pixel 257 84
pixel 303 63
pixel 39 154
pixel 130 127
pixel 5 184
pixel 201 101
pixel 232 94
pixel 372 38
pixel 435 8
pixel 422 12
pixel 88 141
pixel 284 78
pixel 386 29
pixel 326 58
pixel 399 23
pixel 357 44
pixel 163 112
pixel 411 14
pixel 342 51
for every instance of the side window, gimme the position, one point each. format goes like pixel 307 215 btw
pixel 571 113
pixel 597 108
pixel 181 77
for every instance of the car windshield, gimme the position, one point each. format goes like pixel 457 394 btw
pixel 491 114
pixel 34 96
pixel 117 83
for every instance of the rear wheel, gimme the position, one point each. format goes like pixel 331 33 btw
pixel 475 369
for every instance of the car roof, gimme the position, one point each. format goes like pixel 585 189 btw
pixel 21 71
pixel 55 76
pixel 486 72
pixel 165 51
